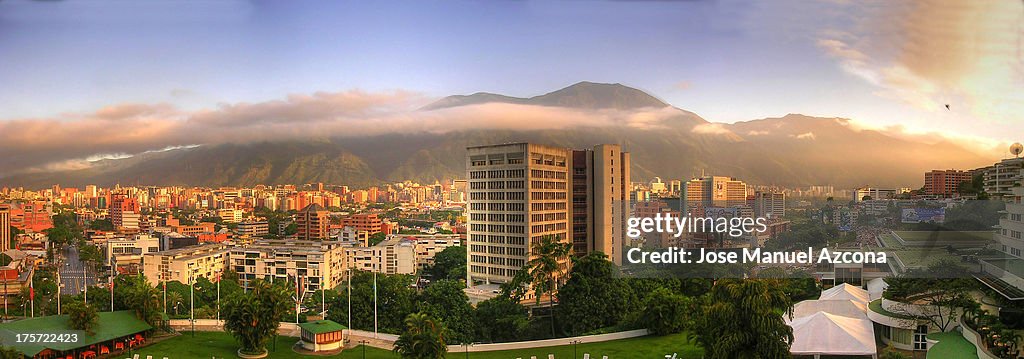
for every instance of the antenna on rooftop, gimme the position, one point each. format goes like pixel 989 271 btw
pixel 1016 149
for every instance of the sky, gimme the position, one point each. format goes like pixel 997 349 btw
pixel 152 68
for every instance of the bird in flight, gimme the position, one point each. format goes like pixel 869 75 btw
pixel 947 106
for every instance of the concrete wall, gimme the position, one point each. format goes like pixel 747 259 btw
pixel 549 342
pixel 387 341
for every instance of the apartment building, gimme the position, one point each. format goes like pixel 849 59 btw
pixel 518 194
pixel 249 229
pixel 368 222
pixel 5 228
pixel 600 200
pixel 944 183
pixel 1001 177
pixel 130 250
pixel 768 204
pixel 392 256
pixel 428 246
pixel 124 212
pixel 313 223
pixel 316 263
pixel 715 191
pixel 185 264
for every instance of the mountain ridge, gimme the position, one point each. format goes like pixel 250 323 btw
pixel 792 150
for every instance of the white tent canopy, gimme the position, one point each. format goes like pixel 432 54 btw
pixel 846 292
pixel 828 334
pixel 842 307
pixel 876 287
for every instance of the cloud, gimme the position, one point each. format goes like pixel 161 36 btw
pixel 75 141
pixel 805 136
pixel 969 54
pixel 711 129
pixel 758 133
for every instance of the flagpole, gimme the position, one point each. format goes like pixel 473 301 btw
pixel 218 297
pixel 57 272
pixel 192 303
pixel 375 305
pixel 32 293
pixel 350 302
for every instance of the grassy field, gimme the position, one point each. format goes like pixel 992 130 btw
pixel 222 345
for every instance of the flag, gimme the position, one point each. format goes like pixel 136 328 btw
pixel 31 289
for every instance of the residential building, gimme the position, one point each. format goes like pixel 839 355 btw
pixel 124 212
pixel 313 223
pixel 872 193
pixel 600 200
pixel 428 246
pixel 944 183
pixel 315 264
pixel 768 204
pixel 5 228
pixel 394 255
pixel 253 228
pixel 1001 177
pixel 715 191
pixel 186 264
pixel 368 222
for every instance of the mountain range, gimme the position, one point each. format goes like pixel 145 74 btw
pixel 792 150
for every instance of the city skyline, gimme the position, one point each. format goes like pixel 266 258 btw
pixel 255 79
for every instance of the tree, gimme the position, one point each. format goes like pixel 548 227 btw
pixel 549 262
pixel 592 297
pixel 173 299
pixel 742 318
pixel 446 301
pixel 667 312
pixel 253 317
pixel 422 339
pixel 141 297
pixel 377 238
pixel 7 352
pixel 395 301
pixel 82 316
pixel 939 293
pixel 449 264
pixel 500 319
pixel 103 224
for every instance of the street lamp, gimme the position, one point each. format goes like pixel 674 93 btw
pixel 574 343
pixel 467 345
pixel 363 343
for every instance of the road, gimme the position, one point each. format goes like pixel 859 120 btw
pixel 73 273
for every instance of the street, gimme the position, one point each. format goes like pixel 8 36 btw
pixel 73 273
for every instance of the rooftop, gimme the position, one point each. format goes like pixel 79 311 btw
pixel 110 325
pixel 322 326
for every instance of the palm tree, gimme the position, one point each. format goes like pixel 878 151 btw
pixel 550 260
pixel 742 318
pixel 173 299
pixel 253 317
pixel 423 338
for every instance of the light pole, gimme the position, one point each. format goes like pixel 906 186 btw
pixel 574 342
pixel 467 345
pixel 363 343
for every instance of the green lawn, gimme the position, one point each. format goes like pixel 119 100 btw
pixel 951 345
pixel 222 345
pixel 644 347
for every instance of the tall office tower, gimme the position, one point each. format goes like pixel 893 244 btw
pixel 516 192
pixel 312 223
pixel 124 211
pixel 600 200
pixel 769 204
pixel 5 228
pixel 715 191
